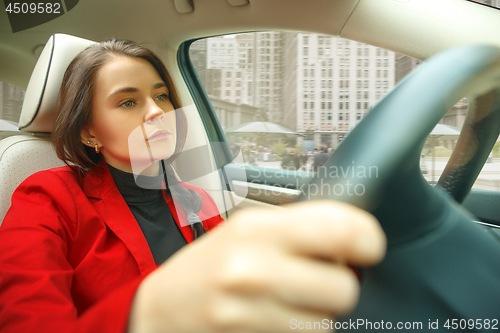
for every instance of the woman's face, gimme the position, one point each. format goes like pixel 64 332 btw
pixel 132 117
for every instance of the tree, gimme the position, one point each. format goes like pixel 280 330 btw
pixel 279 148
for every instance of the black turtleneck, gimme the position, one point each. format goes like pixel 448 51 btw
pixel 152 213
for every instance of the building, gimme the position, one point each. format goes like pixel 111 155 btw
pixel 404 66
pixel 11 102
pixel 269 75
pixel 290 82
pixel 222 52
pixel 230 114
pixel 251 72
pixel 330 83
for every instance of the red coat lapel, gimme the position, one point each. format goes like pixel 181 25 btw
pixel 110 205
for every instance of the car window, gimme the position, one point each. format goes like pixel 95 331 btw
pixel 282 96
pixel 282 106
pixel 316 88
pixel 11 101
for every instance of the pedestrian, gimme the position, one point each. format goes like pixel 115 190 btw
pixel 320 158
pixel 303 160
pixel 290 160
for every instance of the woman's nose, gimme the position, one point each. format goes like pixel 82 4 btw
pixel 153 111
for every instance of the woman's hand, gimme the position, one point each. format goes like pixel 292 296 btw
pixel 262 271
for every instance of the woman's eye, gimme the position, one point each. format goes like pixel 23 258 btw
pixel 127 104
pixel 162 97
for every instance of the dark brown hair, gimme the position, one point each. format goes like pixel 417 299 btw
pixel 75 112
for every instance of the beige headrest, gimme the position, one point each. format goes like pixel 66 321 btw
pixel 39 108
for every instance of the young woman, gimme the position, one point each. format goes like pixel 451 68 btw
pixel 98 246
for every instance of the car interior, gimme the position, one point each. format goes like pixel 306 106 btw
pixel 442 260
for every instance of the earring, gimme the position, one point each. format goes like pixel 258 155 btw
pixel 97 149
pixel 90 143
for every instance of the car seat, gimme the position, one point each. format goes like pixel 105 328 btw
pixel 25 154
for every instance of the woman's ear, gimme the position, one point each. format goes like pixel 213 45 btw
pixel 88 138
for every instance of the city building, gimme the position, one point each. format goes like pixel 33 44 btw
pixel 404 66
pixel 231 114
pixel 246 69
pixel 11 102
pixel 331 83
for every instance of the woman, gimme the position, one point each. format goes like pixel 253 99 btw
pixel 84 248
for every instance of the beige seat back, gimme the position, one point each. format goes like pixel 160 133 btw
pixel 23 155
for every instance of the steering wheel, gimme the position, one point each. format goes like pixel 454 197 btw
pixel 439 265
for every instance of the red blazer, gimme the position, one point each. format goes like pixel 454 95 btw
pixel 72 254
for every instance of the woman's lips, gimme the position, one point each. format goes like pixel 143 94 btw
pixel 159 135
